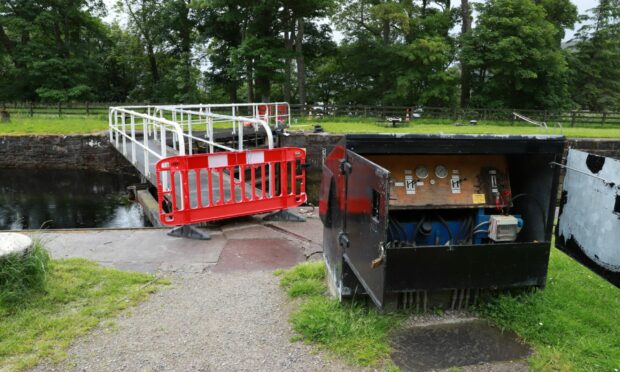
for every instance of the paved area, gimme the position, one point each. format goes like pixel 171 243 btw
pixel 241 244
pixel 206 322
pixel 225 312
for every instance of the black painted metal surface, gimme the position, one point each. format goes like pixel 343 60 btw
pixel 355 213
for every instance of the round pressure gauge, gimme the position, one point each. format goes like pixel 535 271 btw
pixel 441 171
pixel 421 172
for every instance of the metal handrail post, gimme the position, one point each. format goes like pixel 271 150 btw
pixel 147 170
pixel 116 128
pixel 110 126
pixel 133 139
pixel 124 132
pixel 189 131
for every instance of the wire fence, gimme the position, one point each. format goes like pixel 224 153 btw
pixel 571 118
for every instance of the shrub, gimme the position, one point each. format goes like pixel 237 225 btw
pixel 23 275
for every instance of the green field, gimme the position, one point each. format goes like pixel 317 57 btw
pixel 347 125
pixel 21 125
pixel 572 324
pixel 53 125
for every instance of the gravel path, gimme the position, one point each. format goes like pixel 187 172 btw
pixel 205 322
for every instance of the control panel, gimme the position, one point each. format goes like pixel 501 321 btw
pixel 446 181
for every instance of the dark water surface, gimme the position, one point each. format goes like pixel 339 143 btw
pixel 33 199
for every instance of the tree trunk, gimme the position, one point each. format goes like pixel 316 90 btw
pixel 465 70
pixel 263 87
pixel 152 62
pixel 301 66
pixel 185 31
pixel 288 45
pixel 386 32
pixel 250 77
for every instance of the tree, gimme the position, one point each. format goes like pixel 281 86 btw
pixel 465 69
pixel 50 50
pixel 397 52
pixel 515 59
pixel 595 59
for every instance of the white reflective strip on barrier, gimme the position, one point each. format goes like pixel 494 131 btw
pixel 218 161
pixel 255 157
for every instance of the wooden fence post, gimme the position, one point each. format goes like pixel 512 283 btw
pixel 87 112
pixel 603 119
pixel 31 109
pixel 573 115
pixel 59 109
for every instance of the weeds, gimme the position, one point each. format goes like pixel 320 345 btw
pixel 23 275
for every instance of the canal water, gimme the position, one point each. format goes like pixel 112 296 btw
pixel 57 199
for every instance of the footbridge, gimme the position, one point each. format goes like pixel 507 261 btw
pixel 210 162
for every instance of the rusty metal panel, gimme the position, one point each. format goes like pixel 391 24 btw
pixel 589 220
pixel 446 181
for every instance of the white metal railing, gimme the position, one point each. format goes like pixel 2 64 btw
pixel 146 134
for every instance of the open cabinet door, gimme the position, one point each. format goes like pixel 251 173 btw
pixel 366 222
pixel 589 221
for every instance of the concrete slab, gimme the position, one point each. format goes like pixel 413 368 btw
pixel 145 250
pixel 258 254
pixel 248 244
pixel 311 230
pixel 252 231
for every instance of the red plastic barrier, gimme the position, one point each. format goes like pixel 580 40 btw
pixel 271 109
pixel 207 187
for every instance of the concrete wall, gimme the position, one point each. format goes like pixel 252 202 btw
pixel 317 144
pixel 91 151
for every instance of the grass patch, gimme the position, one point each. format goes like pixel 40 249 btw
pixel 354 332
pixel 21 125
pixel 78 295
pixel 345 125
pixel 572 324
pixel 23 275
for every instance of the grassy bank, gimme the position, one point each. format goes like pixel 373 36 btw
pixel 572 324
pixel 53 125
pixel 78 295
pixel 20 125
pixel 345 125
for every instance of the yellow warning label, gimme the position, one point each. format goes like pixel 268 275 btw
pixel 479 199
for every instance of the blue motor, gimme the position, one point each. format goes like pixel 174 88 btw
pixel 435 230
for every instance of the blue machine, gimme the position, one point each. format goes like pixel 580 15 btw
pixel 435 230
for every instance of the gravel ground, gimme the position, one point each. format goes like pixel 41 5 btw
pixel 204 322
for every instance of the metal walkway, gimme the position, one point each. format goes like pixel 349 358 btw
pixel 137 133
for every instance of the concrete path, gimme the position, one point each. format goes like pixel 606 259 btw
pixel 223 312
pixel 241 244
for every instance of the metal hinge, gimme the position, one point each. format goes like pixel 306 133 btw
pixel 343 240
pixel 345 167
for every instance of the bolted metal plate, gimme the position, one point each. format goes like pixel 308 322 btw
pixel 454 344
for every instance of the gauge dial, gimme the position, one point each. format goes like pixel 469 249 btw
pixel 441 171
pixel 421 172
